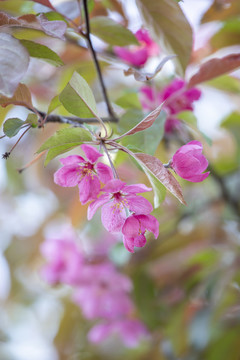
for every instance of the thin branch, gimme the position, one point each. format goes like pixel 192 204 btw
pixel 74 120
pixel 94 55
pixel 110 160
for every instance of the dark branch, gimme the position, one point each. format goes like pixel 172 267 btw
pixel 75 121
pixel 94 55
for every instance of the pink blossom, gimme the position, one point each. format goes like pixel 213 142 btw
pixel 189 162
pixel 103 292
pixel 130 331
pixel 64 261
pixel 84 173
pixel 134 230
pixel 116 200
pixel 138 55
pixel 177 98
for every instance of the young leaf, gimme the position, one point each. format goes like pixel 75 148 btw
pixel 145 123
pixel 112 32
pixel 168 22
pixel 54 104
pixel 42 52
pixel 14 62
pixel 143 76
pixel 54 28
pixel 22 97
pixel 155 167
pixel 12 126
pixel 215 67
pixel 77 97
pixel 147 140
pixel 58 150
pixel 45 3
pixel 66 136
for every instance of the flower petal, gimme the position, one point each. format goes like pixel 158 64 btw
pixel 113 216
pixel 198 178
pixel 128 242
pixel 99 332
pixel 131 227
pixel 91 153
pixel 113 186
pixel 104 172
pixel 135 189
pixel 72 159
pixel 92 208
pixel 138 204
pixel 150 223
pixel 89 188
pixel 68 175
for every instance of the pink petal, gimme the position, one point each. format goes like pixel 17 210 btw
pixel 150 223
pixel 72 159
pixel 137 56
pixel 113 186
pixel 91 153
pixel 99 332
pixel 68 175
pixel 89 188
pixel 135 189
pixel 198 178
pixel 138 204
pixel 104 172
pixel 92 208
pixel 113 216
pixel 131 227
pixel 128 243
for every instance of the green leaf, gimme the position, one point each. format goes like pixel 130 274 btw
pixel 112 32
pixel 66 136
pixel 58 150
pixel 225 83
pixel 77 97
pixel 228 35
pixel 159 189
pixel 32 119
pixel 129 100
pixel 168 23
pixel 54 104
pixel 148 139
pixel 12 126
pixel 42 52
pixel 188 117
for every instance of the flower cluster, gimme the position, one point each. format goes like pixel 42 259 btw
pixel 137 55
pixel 178 98
pixel 122 210
pixel 99 289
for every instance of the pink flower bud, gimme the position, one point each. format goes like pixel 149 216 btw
pixel 189 162
pixel 137 55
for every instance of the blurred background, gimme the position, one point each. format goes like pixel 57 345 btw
pixel 186 284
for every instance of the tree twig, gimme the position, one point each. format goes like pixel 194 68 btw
pixel 95 59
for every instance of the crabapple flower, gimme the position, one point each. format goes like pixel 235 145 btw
pixel 134 230
pixel 64 261
pixel 189 162
pixel 84 173
pixel 180 99
pixel 137 55
pixel 130 331
pixel 103 292
pixel 116 200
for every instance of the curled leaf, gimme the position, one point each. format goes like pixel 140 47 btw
pixel 143 76
pixel 214 68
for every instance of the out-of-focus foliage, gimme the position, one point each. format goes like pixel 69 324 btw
pixel 186 284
